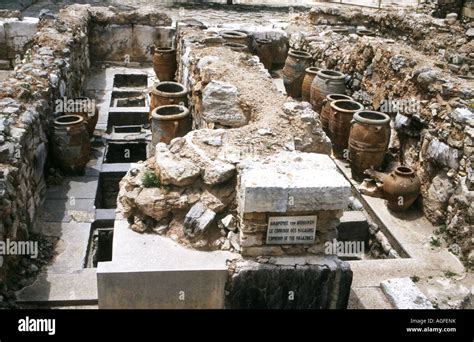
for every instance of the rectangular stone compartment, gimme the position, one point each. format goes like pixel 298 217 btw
pixel 126 118
pixel 128 99
pixel 125 152
pixel 130 80
pixel 128 129
pixel 108 189
pixel 100 243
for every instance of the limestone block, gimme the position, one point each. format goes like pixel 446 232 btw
pixel 292 181
pixel 404 294
pixel 220 105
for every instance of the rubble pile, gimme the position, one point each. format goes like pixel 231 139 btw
pixel 239 114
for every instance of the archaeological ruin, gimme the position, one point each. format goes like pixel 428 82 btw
pixel 237 154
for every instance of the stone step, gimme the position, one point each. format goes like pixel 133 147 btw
pixel 53 290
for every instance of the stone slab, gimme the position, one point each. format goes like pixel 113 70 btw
pixel 371 298
pixel 61 289
pixel 292 181
pixel 71 248
pixel 404 294
pixel 77 187
pixel 155 277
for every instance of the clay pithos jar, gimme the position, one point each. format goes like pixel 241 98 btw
pixel 236 47
pixel 340 29
pixel 164 63
pixel 326 110
pixel 368 141
pixel 167 93
pixel 401 187
pixel 365 32
pixel 87 109
pixel 264 52
pixel 310 74
pixel 326 82
pixel 169 122
pixel 235 37
pixel 340 117
pixel 71 146
pixel 294 70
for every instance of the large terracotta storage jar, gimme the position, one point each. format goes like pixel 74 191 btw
pixel 368 141
pixel 164 63
pixel 294 71
pixel 168 93
pixel 169 122
pixel 340 117
pixel 310 74
pixel 326 82
pixel 264 52
pixel 71 146
pixel 326 110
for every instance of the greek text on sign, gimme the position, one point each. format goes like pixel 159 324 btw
pixel 284 230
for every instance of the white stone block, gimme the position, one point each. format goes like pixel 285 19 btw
pixel 292 181
pixel 404 294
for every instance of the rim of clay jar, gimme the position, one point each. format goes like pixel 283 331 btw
pixel 68 120
pixel 404 170
pixel 164 49
pixel 299 54
pixel 365 32
pixel 331 74
pixel 237 46
pixel 335 97
pixel 158 89
pixel 263 41
pixel 336 105
pixel 339 29
pixel 312 70
pixel 233 34
pixel 178 112
pixel 371 117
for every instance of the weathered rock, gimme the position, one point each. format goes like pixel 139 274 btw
pixel 443 154
pixel 234 240
pixel 229 222
pixel 174 170
pixel 435 201
pixel 197 221
pixel 404 294
pixel 220 104
pixel 218 172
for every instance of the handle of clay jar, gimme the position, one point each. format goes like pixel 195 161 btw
pixel 176 126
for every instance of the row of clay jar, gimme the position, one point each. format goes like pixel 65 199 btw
pixel 357 135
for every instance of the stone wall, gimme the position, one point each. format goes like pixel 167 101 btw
pixel 53 67
pixel 128 36
pixel 15 33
